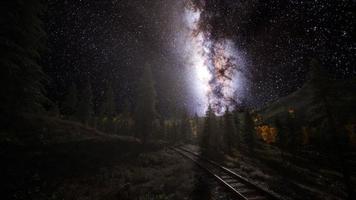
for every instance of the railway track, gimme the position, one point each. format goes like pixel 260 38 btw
pixel 240 187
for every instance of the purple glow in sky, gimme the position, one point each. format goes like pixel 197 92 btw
pixel 216 68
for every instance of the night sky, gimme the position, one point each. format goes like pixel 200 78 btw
pixel 219 52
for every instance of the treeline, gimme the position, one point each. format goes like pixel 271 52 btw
pixel 23 39
pixel 322 126
pixel 138 118
pixel 323 132
pixel 325 128
pixel 23 84
pixel 325 125
pixel 234 131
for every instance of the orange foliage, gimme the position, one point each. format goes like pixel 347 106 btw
pixel 291 111
pixel 267 133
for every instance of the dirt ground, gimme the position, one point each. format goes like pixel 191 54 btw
pixel 161 174
pixel 285 178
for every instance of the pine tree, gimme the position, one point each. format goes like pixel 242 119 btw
pixel 174 131
pixel 293 134
pixel 282 137
pixel 322 112
pixel 145 112
pixel 54 110
pixel 229 131
pixel 237 124
pixel 127 109
pixel 85 106
pixel 249 133
pixel 185 127
pixel 23 40
pixel 69 105
pixel 217 135
pixel 209 128
pixel 126 118
pixel 161 132
pixel 334 139
pixel 197 126
pixel 108 108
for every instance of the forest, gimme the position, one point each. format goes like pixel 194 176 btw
pixel 97 104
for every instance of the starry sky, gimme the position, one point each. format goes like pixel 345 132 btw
pixel 219 52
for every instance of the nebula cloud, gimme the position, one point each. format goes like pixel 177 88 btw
pixel 217 66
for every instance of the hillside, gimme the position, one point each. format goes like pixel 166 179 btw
pixel 340 94
pixel 43 130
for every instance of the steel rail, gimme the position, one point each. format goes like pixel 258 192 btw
pixel 238 185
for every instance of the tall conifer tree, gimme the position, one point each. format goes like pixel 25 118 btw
pixel 22 42
pixel 185 127
pixel 145 112
pixel 209 128
pixel 229 130
pixel 249 134
pixel 69 105
pixel 85 105
pixel 108 108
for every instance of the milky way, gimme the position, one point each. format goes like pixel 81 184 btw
pixel 218 52
pixel 279 39
pixel 217 67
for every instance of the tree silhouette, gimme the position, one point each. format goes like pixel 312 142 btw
pixel 208 127
pixel 85 105
pixel 22 41
pixel 197 126
pixel 249 132
pixel 237 122
pixel 145 112
pixel 69 105
pixel 126 120
pixel 229 130
pixel 185 127
pixel 210 137
pixel 333 136
pixel 108 107
pixel 282 137
pixel 293 136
